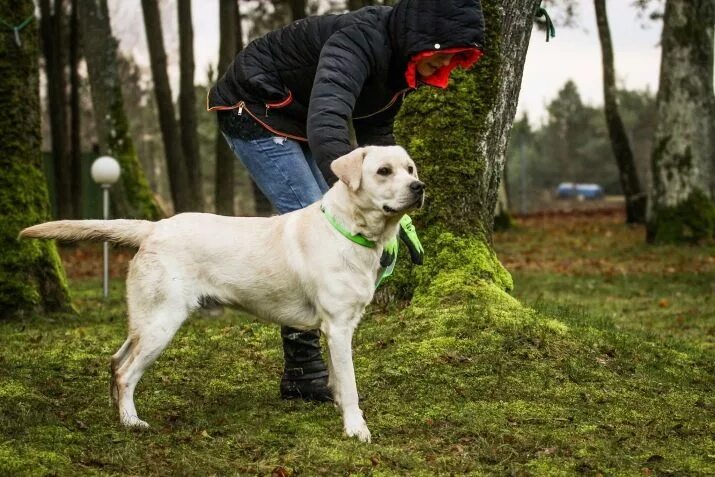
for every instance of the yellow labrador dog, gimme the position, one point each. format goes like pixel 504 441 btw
pixel 295 269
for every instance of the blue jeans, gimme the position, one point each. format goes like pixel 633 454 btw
pixel 283 169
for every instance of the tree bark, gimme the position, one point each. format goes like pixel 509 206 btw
pixel 187 102
pixel 681 207
pixel 53 46
pixel 181 193
pixel 297 9
pixel 628 174
pixel 358 4
pixel 230 44
pixel 131 196
pixel 458 138
pixel 75 149
pixel 31 276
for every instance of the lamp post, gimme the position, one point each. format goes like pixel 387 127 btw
pixel 105 172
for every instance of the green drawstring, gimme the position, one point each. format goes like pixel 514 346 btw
pixel 550 29
pixel 16 28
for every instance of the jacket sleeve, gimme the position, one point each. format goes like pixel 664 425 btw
pixel 346 60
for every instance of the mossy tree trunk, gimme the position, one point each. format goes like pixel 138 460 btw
pixel 458 139
pixel 31 274
pixel 132 196
pixel 681 208
pixel 620 144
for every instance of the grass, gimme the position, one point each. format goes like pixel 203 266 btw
pixel 611 373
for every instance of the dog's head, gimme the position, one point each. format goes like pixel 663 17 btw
pixel 381 178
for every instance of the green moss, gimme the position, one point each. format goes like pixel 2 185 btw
pixel 692 221
pixel 31 276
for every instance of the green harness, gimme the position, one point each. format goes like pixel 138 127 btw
pixel 392 246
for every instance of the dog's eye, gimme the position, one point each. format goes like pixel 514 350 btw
pixel 410 169
pixel 384 171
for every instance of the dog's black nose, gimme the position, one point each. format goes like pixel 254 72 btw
pixel 417 187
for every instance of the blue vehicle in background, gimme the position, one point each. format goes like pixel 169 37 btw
pixel 571 190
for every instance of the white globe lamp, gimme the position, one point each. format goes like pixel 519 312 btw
pixel 105 171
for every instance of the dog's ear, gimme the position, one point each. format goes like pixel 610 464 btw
pixel 348 168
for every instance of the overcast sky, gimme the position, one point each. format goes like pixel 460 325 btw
pixel 574 53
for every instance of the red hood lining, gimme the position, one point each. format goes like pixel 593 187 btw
pixel 464 57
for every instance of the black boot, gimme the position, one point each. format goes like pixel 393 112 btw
pixel 305 375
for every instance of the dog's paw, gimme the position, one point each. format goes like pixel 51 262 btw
pixel 357 428
pixel 134 422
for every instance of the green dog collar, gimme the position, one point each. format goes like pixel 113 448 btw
pixel 357 238
pixel 392 246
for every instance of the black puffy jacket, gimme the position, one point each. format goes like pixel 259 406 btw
pixel 307 80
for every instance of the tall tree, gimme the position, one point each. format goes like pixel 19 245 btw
pixel 132 197
pixel 235 190
pixel 358 4
pixel 230 44
pixel 630 184
pixel 297 9
pixel 183 196
pixel 31 274
pixel 474 120
pixel 75 146
pixel 681 208
pixel 53 46
pixel 187 102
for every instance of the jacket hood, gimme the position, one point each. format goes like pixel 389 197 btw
pixel 424 25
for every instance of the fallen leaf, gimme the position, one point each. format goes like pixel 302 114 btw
pixel 279 472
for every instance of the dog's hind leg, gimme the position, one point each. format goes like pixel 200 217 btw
pixel 116 362
pixel 157 307
pixel 148 341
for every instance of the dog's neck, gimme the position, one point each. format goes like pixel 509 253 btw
pixel 372 224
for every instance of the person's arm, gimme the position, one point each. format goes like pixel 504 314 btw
pixel 345 63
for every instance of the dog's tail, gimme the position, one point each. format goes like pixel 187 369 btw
pixel 128 232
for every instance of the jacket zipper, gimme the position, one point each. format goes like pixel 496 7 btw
pixel 388 106
pixel 242 106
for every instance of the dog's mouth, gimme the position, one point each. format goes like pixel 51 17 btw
pixel 417 204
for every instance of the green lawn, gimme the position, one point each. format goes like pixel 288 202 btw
pixel 612 373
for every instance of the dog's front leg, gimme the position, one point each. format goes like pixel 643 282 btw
pixel 342 380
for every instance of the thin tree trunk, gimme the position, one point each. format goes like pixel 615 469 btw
pixel 628 174
pixel 132 196
pixel 178 176
pixel 234 186
pixel 75 144
pixel 229 25
pixel 31 276
pixel 187 103
pixel 358 4
pixel 297 9
pixel 680 203
pixel 53 47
